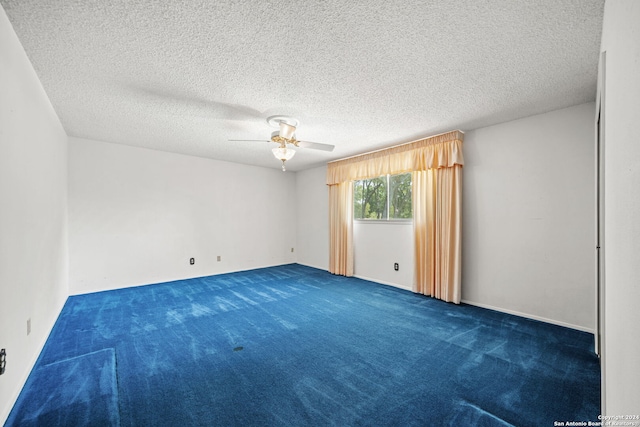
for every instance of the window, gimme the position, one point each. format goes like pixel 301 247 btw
pixel 384 198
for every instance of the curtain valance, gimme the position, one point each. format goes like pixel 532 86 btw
pixel 439 151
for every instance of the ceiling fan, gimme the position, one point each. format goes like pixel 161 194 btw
pixel 286 135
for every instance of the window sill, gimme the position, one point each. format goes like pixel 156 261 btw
pixel 383 221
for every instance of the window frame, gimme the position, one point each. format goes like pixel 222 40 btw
pixel 388 219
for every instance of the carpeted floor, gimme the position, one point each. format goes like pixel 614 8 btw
pixel 297 346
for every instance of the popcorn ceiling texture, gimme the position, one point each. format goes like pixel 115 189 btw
pixel 187 76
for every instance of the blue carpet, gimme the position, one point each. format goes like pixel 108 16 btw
pixel 293 345
pixel 77 391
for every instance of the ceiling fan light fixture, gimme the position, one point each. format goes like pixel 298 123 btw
pixel 285 136
pixel 284 154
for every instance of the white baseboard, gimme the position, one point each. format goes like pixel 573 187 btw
pixel 313 266
pixel 487 306
pixel 530 316
pixel 382 282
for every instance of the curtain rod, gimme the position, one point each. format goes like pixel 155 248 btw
pixel 394 146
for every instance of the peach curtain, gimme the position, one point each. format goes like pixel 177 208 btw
pixel 436 164
pixel 437 219
pixel 341 229
pixel 440 151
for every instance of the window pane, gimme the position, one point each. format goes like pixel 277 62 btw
pixel 370 198
pixel 400 196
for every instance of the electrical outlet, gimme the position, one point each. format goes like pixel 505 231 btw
pixel 28 326
pixel 396 267
pixel 219 257
pixel 192 261
pixel 3 360
pixel 291 249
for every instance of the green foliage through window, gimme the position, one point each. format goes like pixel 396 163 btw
pixel 383 198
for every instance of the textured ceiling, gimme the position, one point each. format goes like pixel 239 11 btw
pixel 187 76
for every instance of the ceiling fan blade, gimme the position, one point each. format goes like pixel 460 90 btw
pixel 316 145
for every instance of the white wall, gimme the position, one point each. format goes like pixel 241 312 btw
pixel 33 215
pixel 378 246
pixel 136 216
pixel 312 199
pixel 528 217
pixel 621 355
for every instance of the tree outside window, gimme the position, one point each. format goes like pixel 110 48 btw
pixel 384 198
